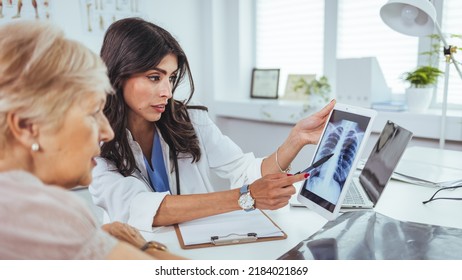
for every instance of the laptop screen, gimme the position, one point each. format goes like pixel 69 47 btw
pixel 383 159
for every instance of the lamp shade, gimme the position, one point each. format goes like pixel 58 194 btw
pixel 410 17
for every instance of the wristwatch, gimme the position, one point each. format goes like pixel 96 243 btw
pixel 246 201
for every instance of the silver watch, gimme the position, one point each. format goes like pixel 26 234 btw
pixel 246 201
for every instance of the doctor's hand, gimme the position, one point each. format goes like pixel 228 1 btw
pixel 309 129
pixel 273 191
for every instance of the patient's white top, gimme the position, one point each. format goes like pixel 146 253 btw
pixel 46 222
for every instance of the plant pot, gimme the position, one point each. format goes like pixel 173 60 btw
pixel 418 99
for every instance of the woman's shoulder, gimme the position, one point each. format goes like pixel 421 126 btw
pixel 19 183
pixel 198 113
pixel 62 225
pixel 21 190
pixel 29 189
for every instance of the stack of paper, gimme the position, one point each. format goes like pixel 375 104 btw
pixel 429 167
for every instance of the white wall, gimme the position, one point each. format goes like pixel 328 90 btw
pixel 184 19
pixel 209 31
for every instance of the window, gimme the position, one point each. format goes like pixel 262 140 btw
pixel 289 36
pixel 362 33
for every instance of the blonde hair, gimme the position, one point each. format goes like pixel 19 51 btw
pixel 42 73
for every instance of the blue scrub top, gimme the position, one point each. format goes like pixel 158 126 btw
pixel 158 175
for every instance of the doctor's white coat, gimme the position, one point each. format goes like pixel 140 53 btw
pixel 131 199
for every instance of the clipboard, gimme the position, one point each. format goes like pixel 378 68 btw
pixel 237 227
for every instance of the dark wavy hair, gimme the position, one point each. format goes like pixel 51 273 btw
pixel 132 46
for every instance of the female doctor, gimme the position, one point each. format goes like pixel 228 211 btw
pixel 157 169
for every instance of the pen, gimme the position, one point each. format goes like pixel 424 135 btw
pixel 316 164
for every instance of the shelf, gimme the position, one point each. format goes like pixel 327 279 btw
pixel 424 125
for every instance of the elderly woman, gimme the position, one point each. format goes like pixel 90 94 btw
pixel 52 95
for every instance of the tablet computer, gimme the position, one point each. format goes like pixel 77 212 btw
pixel 342 141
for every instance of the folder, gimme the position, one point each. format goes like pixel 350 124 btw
pixel 231 228
pixel 430 167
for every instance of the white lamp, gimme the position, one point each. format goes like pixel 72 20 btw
pixel 418 18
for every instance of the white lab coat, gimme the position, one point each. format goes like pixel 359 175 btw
pixel 131 199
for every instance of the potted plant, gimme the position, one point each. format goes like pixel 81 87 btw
pixel 424 78
pixel 315 92
pixel 319 89
pixel 422 82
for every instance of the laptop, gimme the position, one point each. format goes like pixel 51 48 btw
pixel 365 190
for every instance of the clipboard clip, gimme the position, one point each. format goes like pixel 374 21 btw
pixel 233 238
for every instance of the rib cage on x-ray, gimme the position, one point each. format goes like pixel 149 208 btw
pixel 347 155
pixel 342 140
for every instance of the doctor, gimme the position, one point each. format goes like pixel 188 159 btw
pixel 157 169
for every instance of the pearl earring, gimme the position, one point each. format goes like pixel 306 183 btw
pixel 35 147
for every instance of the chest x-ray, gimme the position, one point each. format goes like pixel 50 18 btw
pixel 342 140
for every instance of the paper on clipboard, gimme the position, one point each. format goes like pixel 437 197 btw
pixel 229 228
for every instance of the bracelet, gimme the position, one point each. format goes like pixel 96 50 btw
pixel 277 164
pixel 157 246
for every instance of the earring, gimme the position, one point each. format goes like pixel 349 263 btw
pixel 35 147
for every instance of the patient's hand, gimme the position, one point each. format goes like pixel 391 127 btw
pixel 129 234
pixel 125 232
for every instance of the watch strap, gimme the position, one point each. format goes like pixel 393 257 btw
pixel 244 189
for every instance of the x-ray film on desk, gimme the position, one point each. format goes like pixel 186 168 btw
pixel 368 235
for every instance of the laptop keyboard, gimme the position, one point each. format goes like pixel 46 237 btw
pixel 352 196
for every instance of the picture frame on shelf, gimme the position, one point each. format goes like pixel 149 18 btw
pixel 265 83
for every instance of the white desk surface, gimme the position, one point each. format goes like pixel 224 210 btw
pixel 399 200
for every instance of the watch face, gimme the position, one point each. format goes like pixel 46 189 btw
pixel 246 201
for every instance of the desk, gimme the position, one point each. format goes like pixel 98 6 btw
pixel 399 200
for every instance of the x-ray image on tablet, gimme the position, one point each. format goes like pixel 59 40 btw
pixel 344 136
pixel 343 141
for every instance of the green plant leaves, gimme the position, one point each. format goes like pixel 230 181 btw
pixel 423 76
pixel 319 87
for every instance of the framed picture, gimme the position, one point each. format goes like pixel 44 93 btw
pixel 296 86
pixel 265 83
